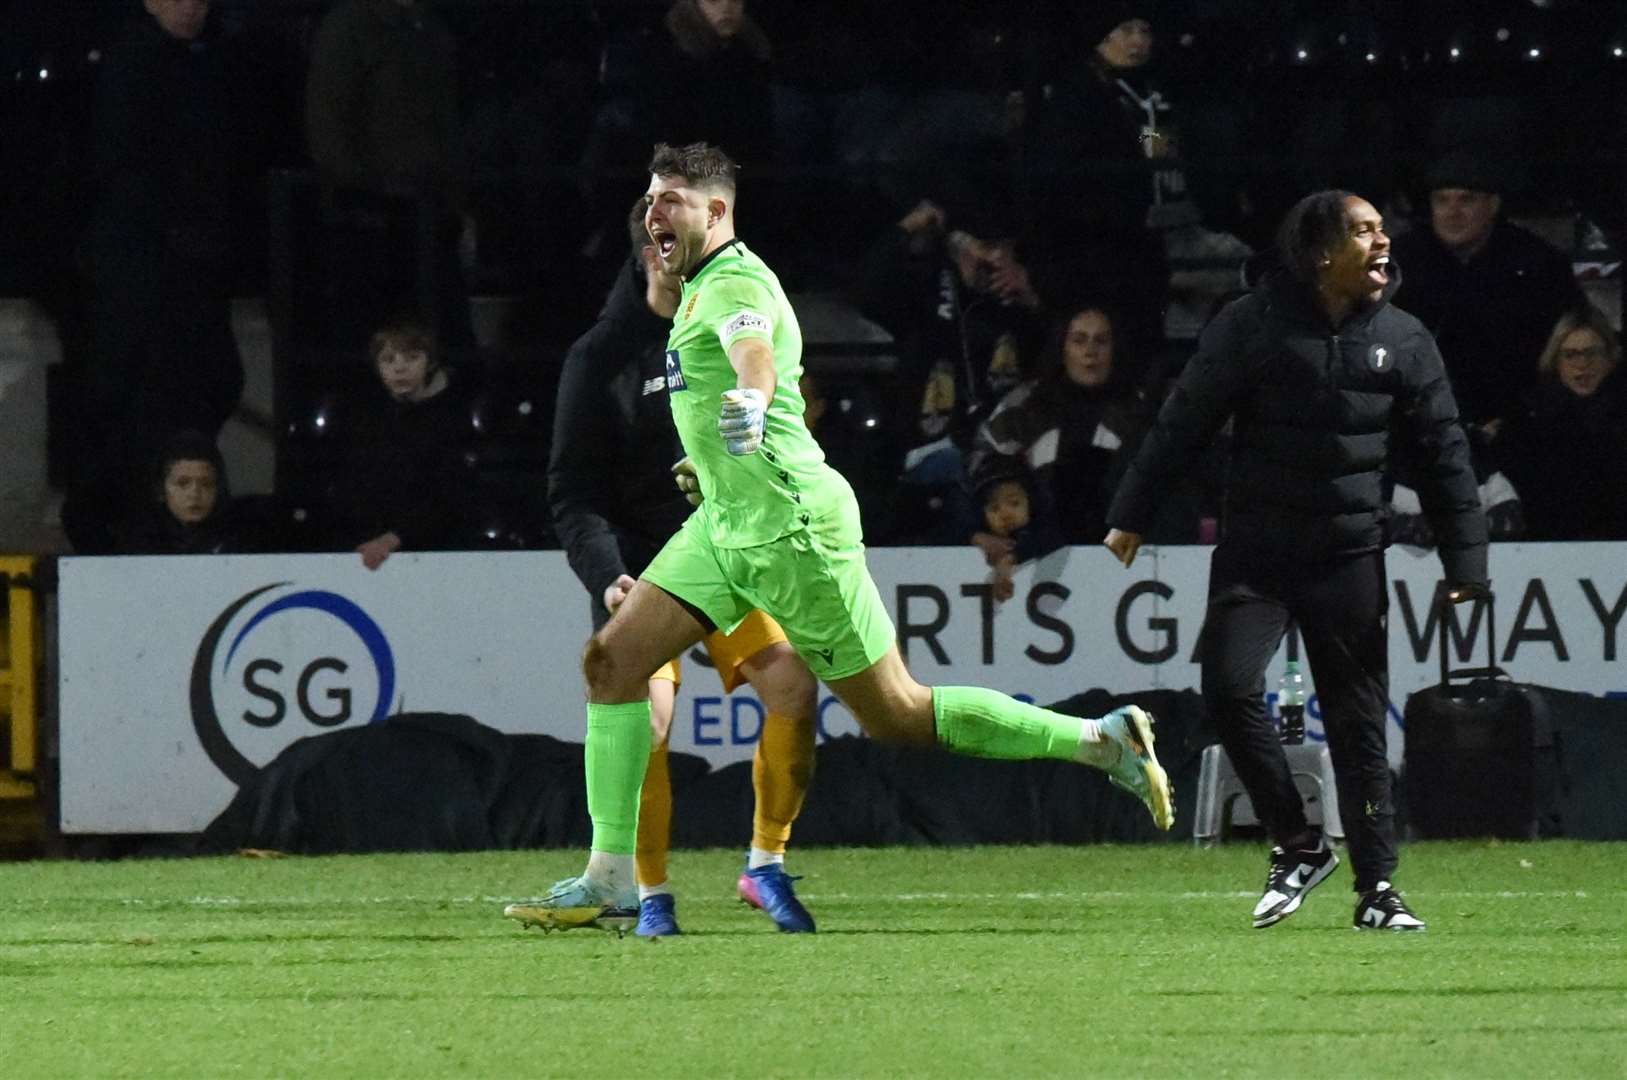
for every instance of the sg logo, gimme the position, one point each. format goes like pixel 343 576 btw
pixel 328 690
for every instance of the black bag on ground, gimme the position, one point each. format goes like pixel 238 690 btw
pixel 1480 758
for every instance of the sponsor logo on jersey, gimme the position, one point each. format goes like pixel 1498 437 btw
pixel 653 386
pixel 689 308
pixel 747 320
pixel 1380 358
pixel 675 373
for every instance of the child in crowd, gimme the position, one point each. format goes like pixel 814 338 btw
pixel 188 509
pixel 400 484
pixel 1015 530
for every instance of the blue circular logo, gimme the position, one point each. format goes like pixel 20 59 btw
pixel 206 719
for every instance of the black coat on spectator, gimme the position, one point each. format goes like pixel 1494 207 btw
pixel 960 349
pixel 162 354
pixel 403 470
pixel 1087 181
pixel 383 129
pixel 1567 456
pixel 153 530
pixel 1491 315
pixel 610 487
pixel 1318 411
pixel 381 108
pixel 1074 443
pixel 679 83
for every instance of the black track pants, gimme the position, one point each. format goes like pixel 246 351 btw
pixel 1340 609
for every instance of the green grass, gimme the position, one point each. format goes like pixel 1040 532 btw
pixel 992 962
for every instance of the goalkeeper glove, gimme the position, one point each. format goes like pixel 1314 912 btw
pixel 740 421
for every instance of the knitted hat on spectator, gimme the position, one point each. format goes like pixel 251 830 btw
pixel 1097 20
pixel 1000 470
pixel 1462 169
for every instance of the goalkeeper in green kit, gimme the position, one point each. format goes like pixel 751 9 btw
pixel 776 529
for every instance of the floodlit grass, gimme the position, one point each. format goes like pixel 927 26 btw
pixel 991 962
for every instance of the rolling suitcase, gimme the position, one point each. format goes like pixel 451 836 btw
pixel 1479 757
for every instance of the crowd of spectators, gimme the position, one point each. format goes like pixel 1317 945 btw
pixel 1024 189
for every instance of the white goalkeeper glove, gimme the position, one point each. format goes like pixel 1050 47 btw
pixel 740 421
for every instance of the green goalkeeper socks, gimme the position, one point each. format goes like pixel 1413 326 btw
pixel 618 750
pixel 989 724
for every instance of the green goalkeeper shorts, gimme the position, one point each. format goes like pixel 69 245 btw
pixel 812 581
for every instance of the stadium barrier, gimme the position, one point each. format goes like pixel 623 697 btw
pixel 21 654
pixel 181 677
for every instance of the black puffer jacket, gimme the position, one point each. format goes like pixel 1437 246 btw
pixel 1319 410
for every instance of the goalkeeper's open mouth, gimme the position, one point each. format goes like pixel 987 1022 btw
pixel 666 242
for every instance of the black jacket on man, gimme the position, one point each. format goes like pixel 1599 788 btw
pixel 610 488
pixel 1318 411
pixel 1490 315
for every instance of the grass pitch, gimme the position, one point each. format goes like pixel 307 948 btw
pixel 990 962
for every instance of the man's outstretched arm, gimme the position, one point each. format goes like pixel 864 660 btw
pixel 745 408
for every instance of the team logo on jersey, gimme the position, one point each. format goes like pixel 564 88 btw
pixel 675 373
pixel 746 320
pixel 1380 358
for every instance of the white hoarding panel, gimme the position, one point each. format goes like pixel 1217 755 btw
pixel 180 676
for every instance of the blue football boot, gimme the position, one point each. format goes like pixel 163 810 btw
pixel 657 916
pixel 768 889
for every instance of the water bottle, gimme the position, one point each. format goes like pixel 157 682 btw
pixel 1291 704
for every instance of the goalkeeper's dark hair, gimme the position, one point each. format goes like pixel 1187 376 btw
pixel 1309 232
pixel 702 164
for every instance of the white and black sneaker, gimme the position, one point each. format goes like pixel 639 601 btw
pixel 1290 876
pixel 1383 909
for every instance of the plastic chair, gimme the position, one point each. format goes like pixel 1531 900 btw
pixel 1223 803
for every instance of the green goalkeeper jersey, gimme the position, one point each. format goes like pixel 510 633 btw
pixel 759 497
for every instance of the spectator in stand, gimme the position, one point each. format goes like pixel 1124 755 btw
pixel 381 114
pixel 1088 146
pixel 969 327
pixel 526 121
pixel 188 509
pixel 1504 509
pixel 1567 448
pixel 1016 529
pixel 1487 289
pixel 835 99
pixel 1066 430
pixel 162 353
pixel 702 75
pixel 400 484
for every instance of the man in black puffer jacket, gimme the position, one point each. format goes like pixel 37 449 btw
pixel 1324 382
